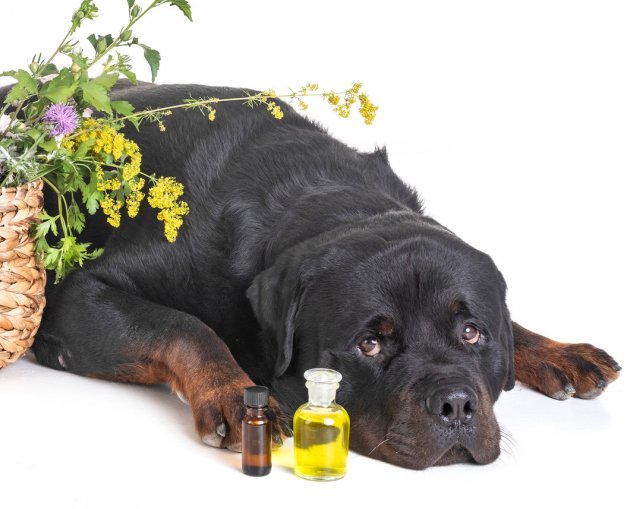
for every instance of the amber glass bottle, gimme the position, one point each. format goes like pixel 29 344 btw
pixel 256 432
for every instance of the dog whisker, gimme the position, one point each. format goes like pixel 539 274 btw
pixel 509 445
pixel 381 443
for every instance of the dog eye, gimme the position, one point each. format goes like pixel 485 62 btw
pixel 369 346
pixel 470 334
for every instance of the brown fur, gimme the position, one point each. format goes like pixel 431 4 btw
pixel 561 370
pixel 207 376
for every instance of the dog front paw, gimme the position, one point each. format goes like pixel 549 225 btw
pixel 218 415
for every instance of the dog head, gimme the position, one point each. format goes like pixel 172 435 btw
pixel 414 319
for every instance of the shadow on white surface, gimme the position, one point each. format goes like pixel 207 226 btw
pixel 74 442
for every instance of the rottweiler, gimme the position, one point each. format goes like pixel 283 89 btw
pixel 302 252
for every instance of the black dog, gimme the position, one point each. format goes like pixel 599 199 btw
pixel 302 252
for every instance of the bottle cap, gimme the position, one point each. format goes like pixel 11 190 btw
pixel 256 396
pixel 322 376
pixel 322 385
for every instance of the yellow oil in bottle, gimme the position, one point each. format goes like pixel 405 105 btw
pixel 321 430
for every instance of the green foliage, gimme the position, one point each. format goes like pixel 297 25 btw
pixel 60 88
pixel 153 59
pixel 183 6
pixel 28 149
pixel 96 95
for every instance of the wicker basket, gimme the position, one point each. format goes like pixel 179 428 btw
pixel 22 275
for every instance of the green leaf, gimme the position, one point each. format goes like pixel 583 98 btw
pixel 96 95
pixel 60 88
pixel 183 6
pixel 48 69
pixel 124 108
pixel 93 40
pixel 42 245
pixel 76 218
pixel 82 149
pixel 53 260
pixel 26 86
pixel 49 223
pixel 27 81
pixel 90 195
pixel 130 3
pixel 106 80
pixel 130 75
pixel 34 133
pixel 153 59
pixel 49 145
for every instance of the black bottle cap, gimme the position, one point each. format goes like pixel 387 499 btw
pixel 256 396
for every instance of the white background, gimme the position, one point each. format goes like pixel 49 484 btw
pixel 512 119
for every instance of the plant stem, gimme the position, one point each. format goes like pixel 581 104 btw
pixel 33 147
pixel 117 41
pixel 56 52
pixel 60 197
pixel 203 102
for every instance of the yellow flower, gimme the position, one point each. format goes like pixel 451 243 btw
pixel 332 98
pixel 133 203
pixel 112 150
pixel 275 110
pixel 367 109
pixel 163 195
pixel 118 145
pixel 111 208
pixel 212 114
pixel 136 185
pixel 130 170
pixel 303 106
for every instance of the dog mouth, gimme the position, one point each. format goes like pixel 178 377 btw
pixel 418 456
pixel 456 454
pixel 417 440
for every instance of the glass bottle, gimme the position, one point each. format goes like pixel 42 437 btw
pixel 321 429
pixel 256 443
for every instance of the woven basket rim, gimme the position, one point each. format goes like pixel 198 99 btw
pixel 32 183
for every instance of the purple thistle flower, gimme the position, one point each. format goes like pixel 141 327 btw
pixel 62 118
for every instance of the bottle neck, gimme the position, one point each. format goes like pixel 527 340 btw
pixel 255 411
pixel 321 394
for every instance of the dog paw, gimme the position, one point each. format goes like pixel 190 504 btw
pixel 573 370
pixel 219 413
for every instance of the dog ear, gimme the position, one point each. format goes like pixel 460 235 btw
pixel 277 293
pixel 275 296
pixel 509 341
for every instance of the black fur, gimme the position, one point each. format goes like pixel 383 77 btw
pixel 296 248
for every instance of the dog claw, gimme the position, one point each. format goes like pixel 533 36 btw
pixel 212 439
pixel 560 395
pixel 590 394
pixel 566 393
pixel 221 430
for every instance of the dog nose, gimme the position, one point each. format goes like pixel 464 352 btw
pixel 453 404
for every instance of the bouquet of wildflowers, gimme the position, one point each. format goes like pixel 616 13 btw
pixel 59 124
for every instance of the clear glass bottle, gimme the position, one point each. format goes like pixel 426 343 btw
pixel 321 429
pixel 256 432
